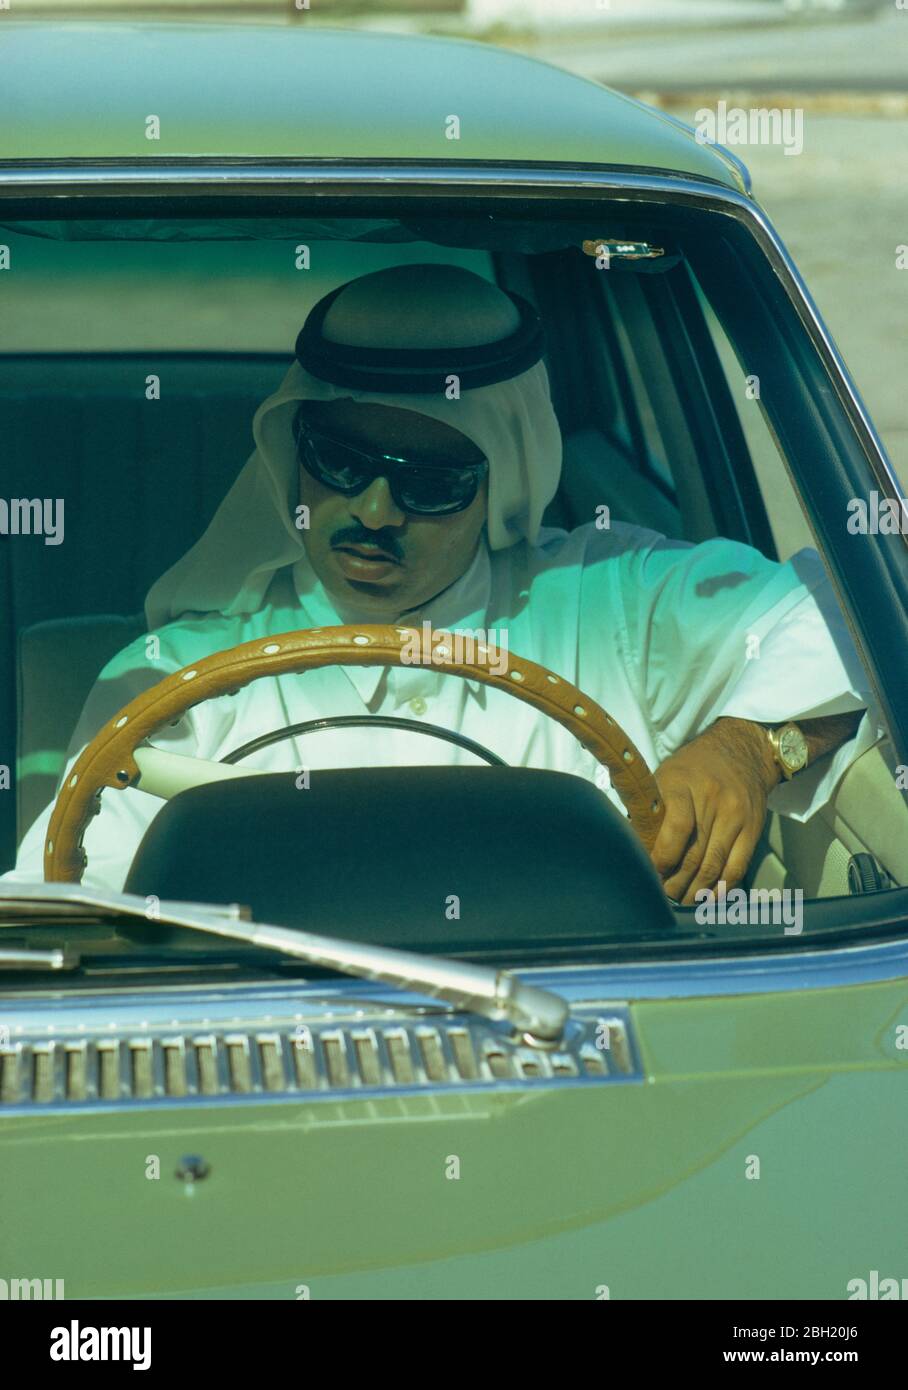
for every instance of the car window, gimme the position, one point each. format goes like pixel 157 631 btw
pixel 181 295
pixel 138 358
pixel 790 528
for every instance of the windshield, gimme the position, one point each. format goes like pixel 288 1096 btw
pixel 620 705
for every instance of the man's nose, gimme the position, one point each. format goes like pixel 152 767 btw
pixel 374 507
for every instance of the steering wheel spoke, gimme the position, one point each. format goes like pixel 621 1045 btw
pixel 165 775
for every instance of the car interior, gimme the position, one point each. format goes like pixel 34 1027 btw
pixel 646 383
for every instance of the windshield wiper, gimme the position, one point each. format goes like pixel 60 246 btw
pixel 539 1014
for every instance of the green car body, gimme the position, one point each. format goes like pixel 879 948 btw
pixel 640 1189
pixel 743 1134
pixel 90 91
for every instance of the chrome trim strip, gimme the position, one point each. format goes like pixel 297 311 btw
pixel 721 150
pixel 83 177
pixel 799 970
pixel 739 164
pixel 350 1001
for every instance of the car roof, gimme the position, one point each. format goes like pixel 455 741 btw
pixel 82 90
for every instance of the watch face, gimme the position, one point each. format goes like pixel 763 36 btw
pixel 793 748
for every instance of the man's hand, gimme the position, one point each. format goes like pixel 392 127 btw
pixel 715 791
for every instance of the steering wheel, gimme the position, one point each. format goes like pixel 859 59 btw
pixel 108 760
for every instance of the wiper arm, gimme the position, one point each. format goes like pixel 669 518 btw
pixel 21 958
pixel 539 1014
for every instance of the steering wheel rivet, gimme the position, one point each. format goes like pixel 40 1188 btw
pixel 188 675
pixel 120 722
pixel 553 680
pixel 271 648
pixel 360 640
pixel 578 709
pixel 74 779
pixel 516 675
pixel 627 755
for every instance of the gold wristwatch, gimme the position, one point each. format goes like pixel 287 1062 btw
pixel 789 748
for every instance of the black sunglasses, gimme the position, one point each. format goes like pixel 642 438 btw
pixel 426 489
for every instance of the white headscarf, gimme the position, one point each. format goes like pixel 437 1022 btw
pixel 253 534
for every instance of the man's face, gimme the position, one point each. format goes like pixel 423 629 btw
pixel 365 549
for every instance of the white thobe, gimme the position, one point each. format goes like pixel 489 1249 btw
pixel 665 635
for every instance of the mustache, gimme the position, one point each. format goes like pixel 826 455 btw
pixel 358 535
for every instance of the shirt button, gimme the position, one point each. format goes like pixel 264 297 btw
pixel 418 706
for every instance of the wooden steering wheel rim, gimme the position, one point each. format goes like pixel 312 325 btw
pixel 107 761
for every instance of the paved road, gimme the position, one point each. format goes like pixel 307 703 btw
pixel 857 55
pixel 841 208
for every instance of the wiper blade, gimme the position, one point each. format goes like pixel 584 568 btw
pixel 539 1014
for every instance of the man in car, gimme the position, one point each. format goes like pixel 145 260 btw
pixel 400 475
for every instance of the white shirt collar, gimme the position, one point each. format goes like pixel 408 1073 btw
pixel 463 604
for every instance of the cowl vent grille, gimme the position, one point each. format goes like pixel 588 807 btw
pixel 234 1063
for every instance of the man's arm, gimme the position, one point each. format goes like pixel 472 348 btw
pixel 715 791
